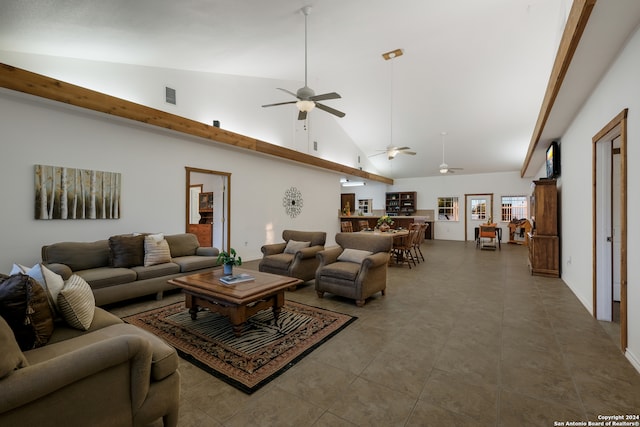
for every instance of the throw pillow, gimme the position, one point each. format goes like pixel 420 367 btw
pixel 77 303
pixel 127 250
pixel 11 358
pixel 24 305
pixel 354 255
pixel 18 268
pixel 51 282
pixel 156 251
pixel 294 246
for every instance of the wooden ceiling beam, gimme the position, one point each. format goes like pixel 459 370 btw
pixel 573 30
pixel 24 81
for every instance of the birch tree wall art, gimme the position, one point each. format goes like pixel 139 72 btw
pixel 68 193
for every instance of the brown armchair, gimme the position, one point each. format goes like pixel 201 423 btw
pixel 296 257
pixel 357 268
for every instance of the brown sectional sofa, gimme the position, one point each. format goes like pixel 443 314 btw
pixel 115 267
pixel 113 374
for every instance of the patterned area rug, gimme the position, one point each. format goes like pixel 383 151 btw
pixel 264 351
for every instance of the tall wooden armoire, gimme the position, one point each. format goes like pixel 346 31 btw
pixel 544 242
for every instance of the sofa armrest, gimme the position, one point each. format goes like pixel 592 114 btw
pixel 207 251
pixel 272 249
pixel 61 269
pixel 375 260
pixel 309 252
pixel 41 379
pixel 328 256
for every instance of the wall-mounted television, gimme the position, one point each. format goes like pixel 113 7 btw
pixel 553 160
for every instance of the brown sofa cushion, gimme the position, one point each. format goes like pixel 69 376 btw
pixel 127 250
pixel 279 261
pixel 11 358
pixel 341 270
pixel 94 254
pixel 25 307
pixel 182 244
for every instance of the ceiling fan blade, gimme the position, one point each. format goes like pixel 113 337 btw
pixel 324 96
pixel 378 154
pixel 302 115
pixel 288 91
pixel 330 110
pixel 280 103
pixel 411 153
pixel 456 169
pixel 401 148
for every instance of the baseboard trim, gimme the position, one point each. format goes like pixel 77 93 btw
pixel 635 361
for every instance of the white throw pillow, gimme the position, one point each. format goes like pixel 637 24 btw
pixel 77 303
pixel 354 255
pixel 294 246
pixel 51 282
pixel 156 250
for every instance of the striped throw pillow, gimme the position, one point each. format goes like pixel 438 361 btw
pixel 76 303
pixel 156 251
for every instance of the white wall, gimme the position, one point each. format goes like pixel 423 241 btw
pixel 235 101
pixel 429 189
pixel 619 89
pixel 152 163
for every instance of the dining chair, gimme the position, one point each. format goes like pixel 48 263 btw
pixel 417 240
pixel 420 240
pixel 402 248
pixel 346 226
pixel 487 237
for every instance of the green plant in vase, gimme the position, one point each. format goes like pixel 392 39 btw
pixel 228 260
pixel 384 223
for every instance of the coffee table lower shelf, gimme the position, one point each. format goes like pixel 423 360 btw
pixel 239 301
pixel 238 314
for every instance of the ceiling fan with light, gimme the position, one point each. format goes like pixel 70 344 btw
pixel 307 98
pixel 444 167
pixel 391 151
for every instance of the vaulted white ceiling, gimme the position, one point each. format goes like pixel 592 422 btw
pixel 475 69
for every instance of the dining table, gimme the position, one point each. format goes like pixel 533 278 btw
pixel 397 234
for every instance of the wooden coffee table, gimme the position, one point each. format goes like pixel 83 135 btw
pixel 239 301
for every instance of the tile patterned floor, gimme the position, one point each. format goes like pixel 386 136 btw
pixel 467 338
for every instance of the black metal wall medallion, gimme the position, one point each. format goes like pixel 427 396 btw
pixel 292 202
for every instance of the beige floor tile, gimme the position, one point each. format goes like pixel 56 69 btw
pixel 455 394
pixel 524 411
pixel 466 338
pixel 366 403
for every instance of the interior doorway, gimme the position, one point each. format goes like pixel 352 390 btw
pixel 609 176
pixel 208 197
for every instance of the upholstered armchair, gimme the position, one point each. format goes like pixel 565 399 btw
pixel 296 257
pixel 355 269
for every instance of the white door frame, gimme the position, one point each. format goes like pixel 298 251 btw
pixel 467 213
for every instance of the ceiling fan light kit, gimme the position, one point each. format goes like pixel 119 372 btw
pixel 307 98
pixel 305 105
pixel 444 167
